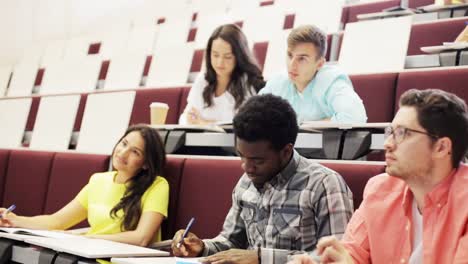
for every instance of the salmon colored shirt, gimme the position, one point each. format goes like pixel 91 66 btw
pixel 380 231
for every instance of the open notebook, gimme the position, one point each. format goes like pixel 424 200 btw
pixel 94 248
pixel 23 233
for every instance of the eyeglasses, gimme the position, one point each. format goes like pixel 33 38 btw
pixel 400 133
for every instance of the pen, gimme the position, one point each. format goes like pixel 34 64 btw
pixel 190 223
pixel 9 209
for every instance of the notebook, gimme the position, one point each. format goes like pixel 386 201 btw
pixel 160 260
pixel 23 233
pixel 201 128
pixel 94 248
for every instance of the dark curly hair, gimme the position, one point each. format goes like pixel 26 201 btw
pixel 267 117
pixel 245 64
pixel 442 114
pixel 155 161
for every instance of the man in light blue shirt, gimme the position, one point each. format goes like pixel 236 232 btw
pixel 315 90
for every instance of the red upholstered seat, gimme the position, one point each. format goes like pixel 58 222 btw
pixel 192 34
pixel 197 60
pixel 80 112
pixel 356 176
pixel 207 184
pixel 419 3
pixel 344 15
pixel 69 174
pixel 453 80
pixel 183 100
pixel 104 69
pixel 260 52
pixel 26 180
pixel 144 97
pixel 289 21
pixel 329 46
pixel 205 193
pixel 377 91
pixel 434 34
pixel 39 77
pixel 32 113
pixel 173 174
pixel 4 156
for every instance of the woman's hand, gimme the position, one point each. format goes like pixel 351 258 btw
pixel 7 219
pixel 194 118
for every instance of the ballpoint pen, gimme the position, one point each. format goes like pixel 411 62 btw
pixel 190 223
pixel 9 209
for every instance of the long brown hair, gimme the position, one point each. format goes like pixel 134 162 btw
pixel 245 64
pixel 155 160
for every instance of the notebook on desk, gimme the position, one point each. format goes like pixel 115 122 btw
pixel 94 248
pixel 23 233
pixel 160 260
pixel 201 128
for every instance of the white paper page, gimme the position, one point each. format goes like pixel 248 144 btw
pixel 94 248
pixel 35 232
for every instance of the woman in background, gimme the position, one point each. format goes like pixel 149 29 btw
pixel 232 76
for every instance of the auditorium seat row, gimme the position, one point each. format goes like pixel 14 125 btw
pixel 96 112
pixel 379 92
pixel 350 12
pixel 424 34
pixel 42 182
pixel 125 69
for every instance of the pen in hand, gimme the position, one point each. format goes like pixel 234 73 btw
pixel 9 209
pixel 190 223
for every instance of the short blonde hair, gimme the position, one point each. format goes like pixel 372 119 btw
pixel 309 34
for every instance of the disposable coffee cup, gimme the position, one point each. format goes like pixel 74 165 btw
pixel 158 113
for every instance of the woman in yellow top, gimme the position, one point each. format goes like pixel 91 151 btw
pixel 125 205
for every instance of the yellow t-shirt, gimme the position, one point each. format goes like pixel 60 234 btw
pixel 448 2
pixel 101 194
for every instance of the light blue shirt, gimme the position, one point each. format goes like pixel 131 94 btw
pixel 329 95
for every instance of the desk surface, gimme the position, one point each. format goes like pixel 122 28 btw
pixel 311 139
pixel 405 12
pixel 322 125
pixel 158 260
pixel 30 255
pixel 94 248
pixel 434 8
pixel 441 48
pixel 208 139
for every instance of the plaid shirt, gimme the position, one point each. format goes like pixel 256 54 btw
pixel 301 204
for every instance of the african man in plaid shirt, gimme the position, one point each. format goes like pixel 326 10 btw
pixel 283 203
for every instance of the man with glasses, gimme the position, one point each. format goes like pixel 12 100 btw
pixel 316 91
pixel 417 212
